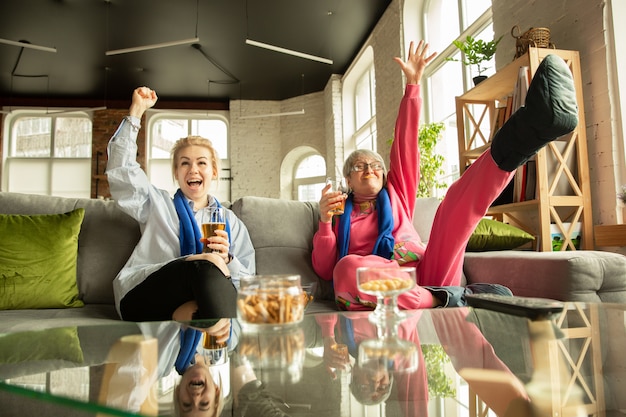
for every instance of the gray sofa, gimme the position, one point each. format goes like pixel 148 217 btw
pixel 281 232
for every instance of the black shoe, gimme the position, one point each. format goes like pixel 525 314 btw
pixel 256 401
pixel 455 296
pixel 550 111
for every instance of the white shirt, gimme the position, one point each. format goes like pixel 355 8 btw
pixel 158 221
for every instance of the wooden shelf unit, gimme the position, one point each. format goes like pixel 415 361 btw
pixel 562 164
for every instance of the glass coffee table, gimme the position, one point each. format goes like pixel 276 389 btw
pixel 440 362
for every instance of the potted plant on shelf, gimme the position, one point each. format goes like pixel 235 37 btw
pixel 475 52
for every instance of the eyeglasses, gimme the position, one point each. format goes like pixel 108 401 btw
pixel 362 166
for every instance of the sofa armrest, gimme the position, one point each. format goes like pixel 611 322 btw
pixel 590 276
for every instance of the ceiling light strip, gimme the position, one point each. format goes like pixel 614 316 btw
pixel 28 45
pixel 260 116
pixel 153 46
pixel 289 52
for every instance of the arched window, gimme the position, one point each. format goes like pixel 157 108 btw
pixel 48 153
pixel 166 128
pixel 309 178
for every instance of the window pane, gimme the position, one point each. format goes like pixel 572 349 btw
pixel 32 137
pixel 473 9
pixel 165 132
pixel 311 166
pixel 366 138
pixel 442 25
pixel 445 85
pixel 310 192
pixel 72 137
pixel 71 178
pixel 214 130
pixel 30 176
pixel 363 100
pixel 160 173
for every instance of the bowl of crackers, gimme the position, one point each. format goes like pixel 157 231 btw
pixel 271 300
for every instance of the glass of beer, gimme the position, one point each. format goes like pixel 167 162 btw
pixel 213 218
pixel 338 184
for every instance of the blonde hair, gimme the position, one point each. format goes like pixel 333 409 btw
pixel 218 404
pixel 183 143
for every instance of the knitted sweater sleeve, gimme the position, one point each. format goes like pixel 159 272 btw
pixel 404 158
pixel 324 255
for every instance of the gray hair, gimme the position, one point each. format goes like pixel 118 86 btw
pixel 363 153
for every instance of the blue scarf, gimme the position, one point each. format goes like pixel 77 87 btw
pixel 385 241
pixel 189 339
pixel 190 233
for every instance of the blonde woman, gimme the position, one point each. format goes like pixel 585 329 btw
pixel 167 276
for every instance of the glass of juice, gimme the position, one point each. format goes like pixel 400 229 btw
pixel 213 218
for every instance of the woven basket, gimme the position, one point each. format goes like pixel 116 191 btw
pixel 535 37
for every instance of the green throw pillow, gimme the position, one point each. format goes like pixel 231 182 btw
pixel 38 257
pixel 41 345
pixel 495 235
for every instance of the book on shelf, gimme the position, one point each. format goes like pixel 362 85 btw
pixel 522 187
pixel 575 232
pixel 530 189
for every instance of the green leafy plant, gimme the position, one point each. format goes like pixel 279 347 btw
pixel 440 385
pixel 430 162
pixel 476 51
pixel 622 195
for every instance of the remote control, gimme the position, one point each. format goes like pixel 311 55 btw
pixel 529 307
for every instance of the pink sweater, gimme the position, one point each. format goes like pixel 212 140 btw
pixel 402 183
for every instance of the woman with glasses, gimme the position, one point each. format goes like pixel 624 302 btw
pixel 376 229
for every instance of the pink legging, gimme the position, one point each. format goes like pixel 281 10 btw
pixel 465 203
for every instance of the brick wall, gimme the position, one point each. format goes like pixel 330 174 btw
pixel 105 122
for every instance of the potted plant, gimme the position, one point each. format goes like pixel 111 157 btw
pixel 475 52
pixel 430 162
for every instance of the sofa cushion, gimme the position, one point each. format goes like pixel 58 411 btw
pixel 282 234
pixel 51 344
pixel 495 235
pixel 584 275
pixel 38 260
pixel 107 238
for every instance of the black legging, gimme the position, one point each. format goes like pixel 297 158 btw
pixel 178 282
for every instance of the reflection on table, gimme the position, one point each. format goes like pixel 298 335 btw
pixel 439 362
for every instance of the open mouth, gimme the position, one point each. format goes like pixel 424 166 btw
pixel 196 383
pixel 194 183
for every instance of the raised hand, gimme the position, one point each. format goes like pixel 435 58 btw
pixel 143 99
pixel 417 60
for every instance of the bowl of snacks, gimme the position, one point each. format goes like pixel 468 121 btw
pixel 271 300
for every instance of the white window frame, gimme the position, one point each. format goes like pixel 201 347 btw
pixel 47 175
pixel 448 145
pixel 362 67
pixel 159 169
pixel 319 180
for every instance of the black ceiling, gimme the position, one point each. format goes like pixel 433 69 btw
pixel 221 66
